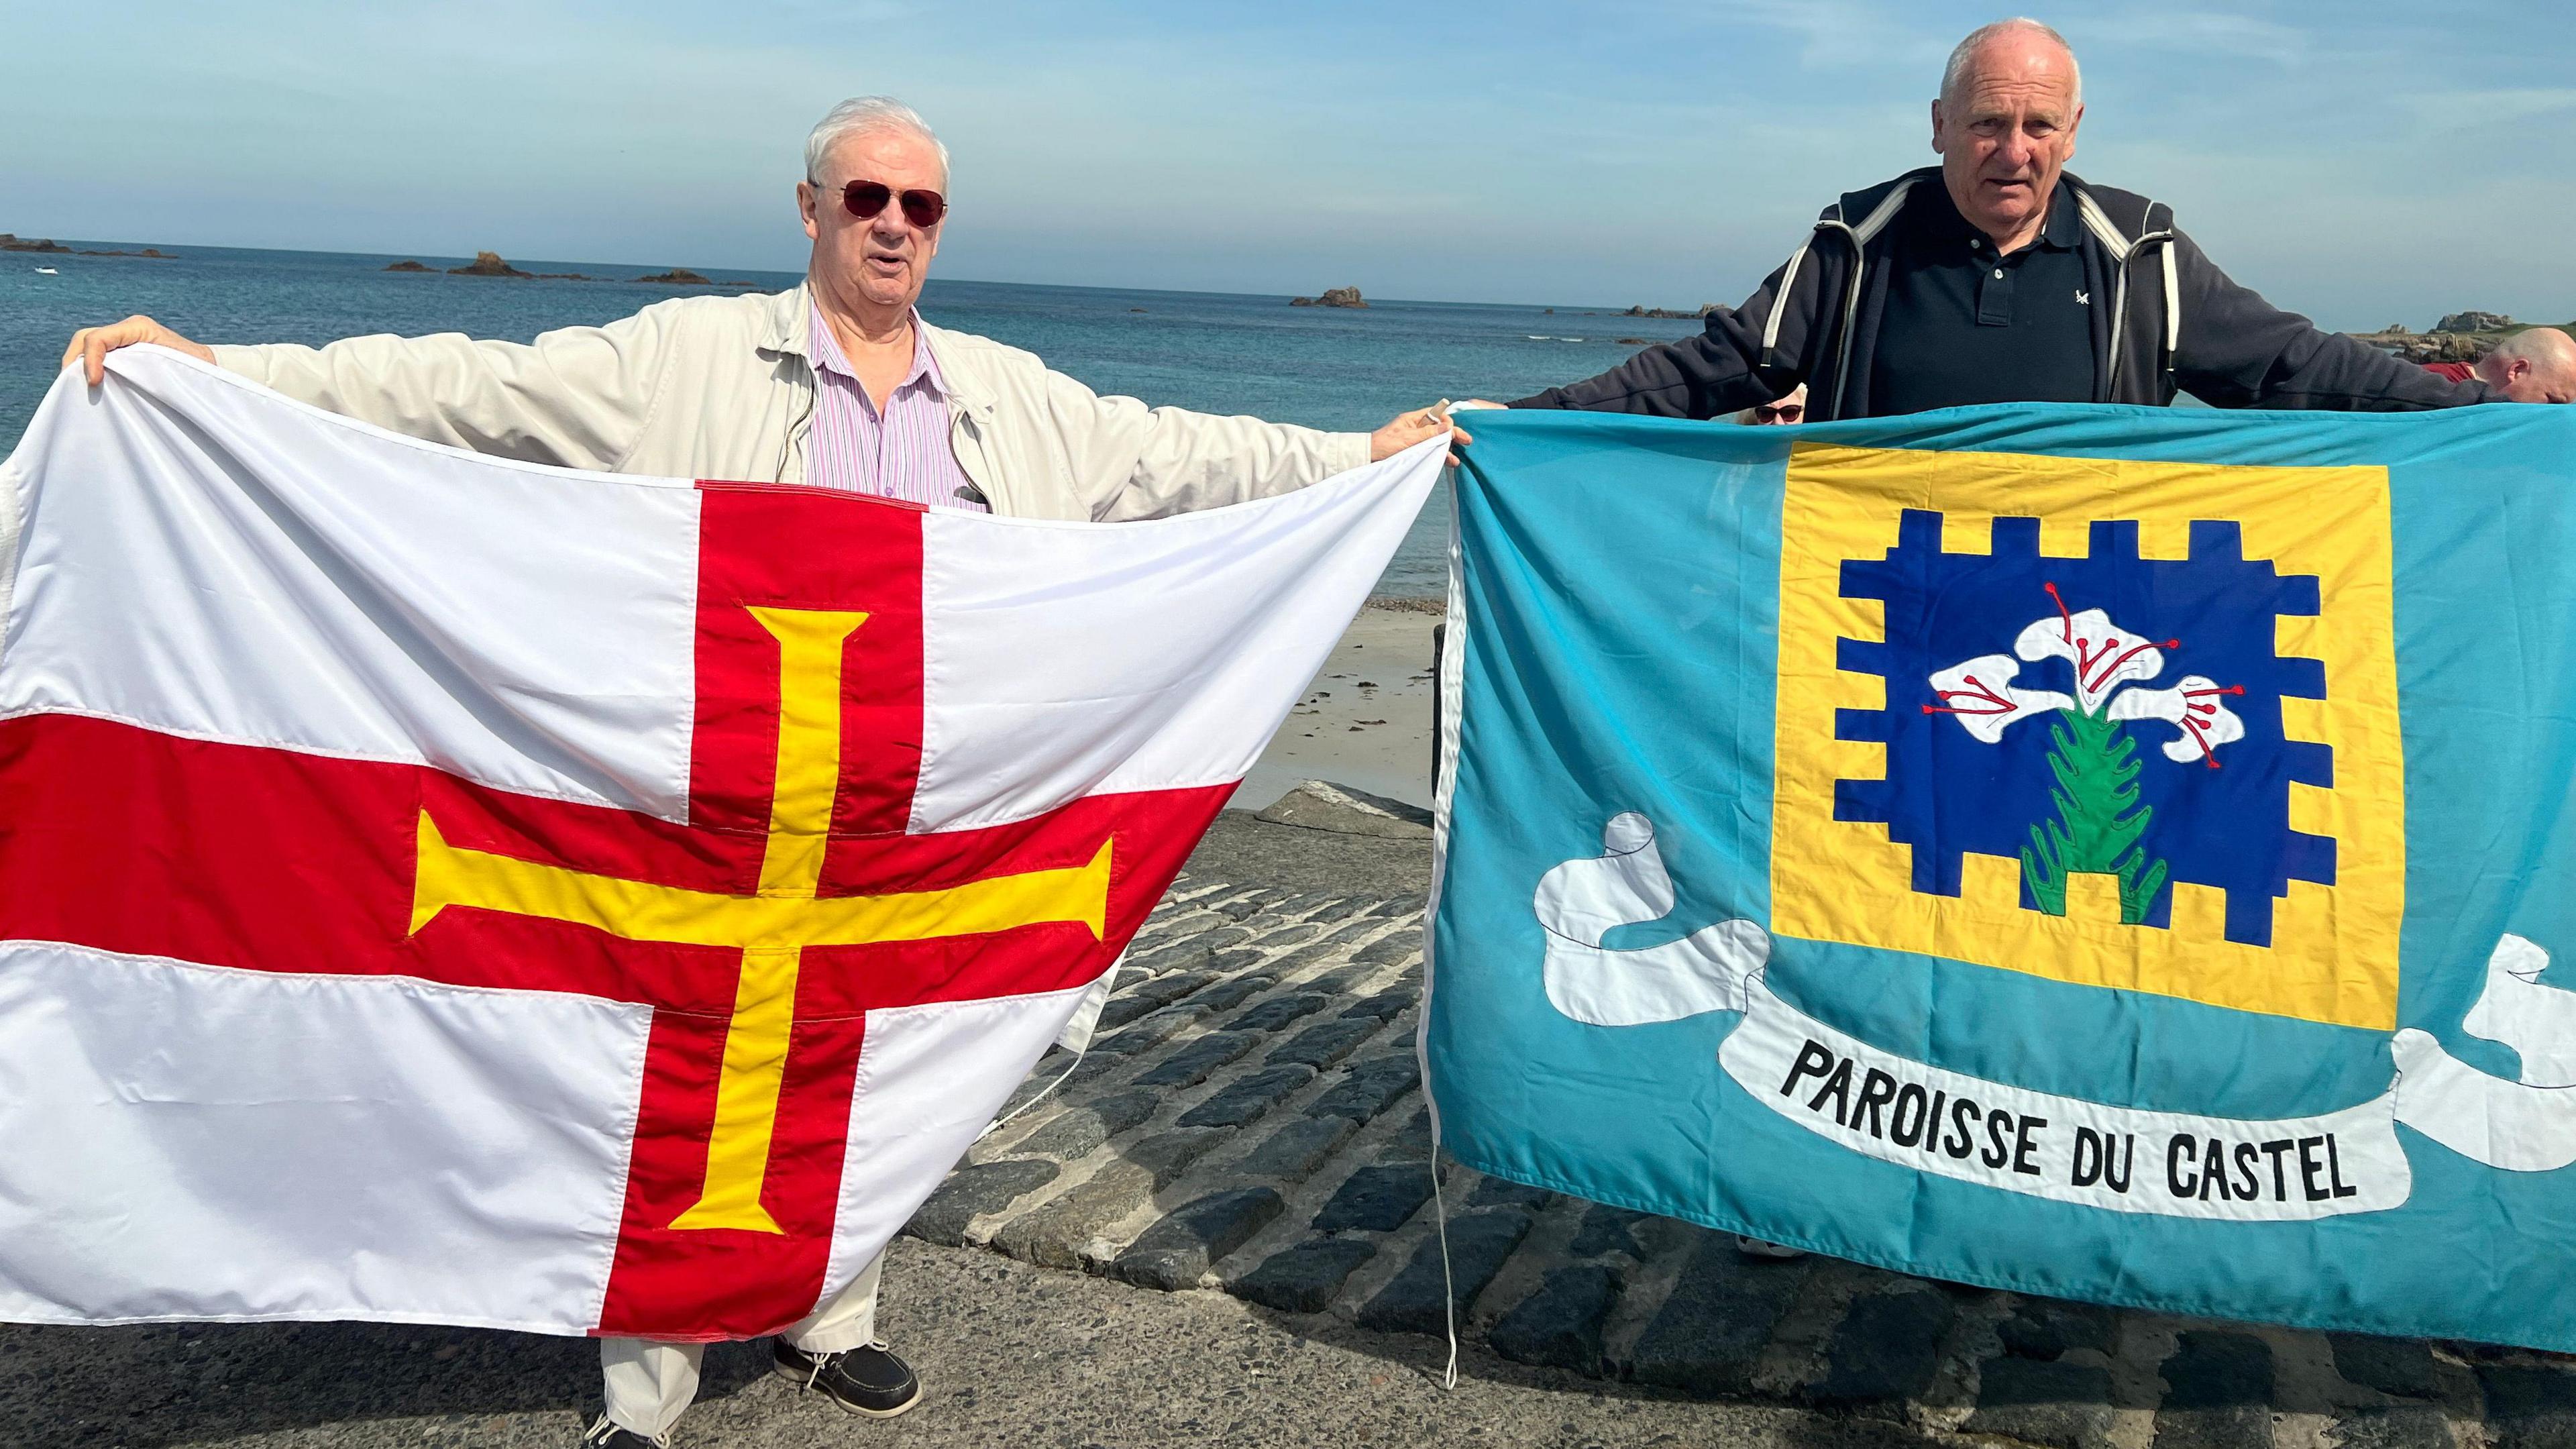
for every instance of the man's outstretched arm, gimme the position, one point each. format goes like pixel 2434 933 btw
pixel 2239 351
pixel 575 397
pixel 1718 372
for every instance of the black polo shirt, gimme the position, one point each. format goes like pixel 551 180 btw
pixel 1964 325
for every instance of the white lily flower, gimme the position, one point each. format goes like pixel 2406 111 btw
pixel 2197 707
pixel 1980 695
pixel 2105 655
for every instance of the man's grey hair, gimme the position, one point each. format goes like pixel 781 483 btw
pixel 864 116
pixel 1954 76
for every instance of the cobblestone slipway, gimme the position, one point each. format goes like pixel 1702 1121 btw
pixel 1250 1120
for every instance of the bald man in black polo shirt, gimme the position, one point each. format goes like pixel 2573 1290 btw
pixel 1996 277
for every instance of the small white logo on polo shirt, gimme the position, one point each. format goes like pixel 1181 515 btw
pixel 2083 298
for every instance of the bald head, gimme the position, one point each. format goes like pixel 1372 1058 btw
pixel 2010 39
pixel 2011 99
pixel 2536 365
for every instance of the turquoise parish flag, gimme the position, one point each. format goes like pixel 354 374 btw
pixel 2103 852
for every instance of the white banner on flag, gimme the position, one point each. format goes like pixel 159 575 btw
pixel 2042 1144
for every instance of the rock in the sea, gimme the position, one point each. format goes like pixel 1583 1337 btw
pixel 10 242
pixel 676 277
pixel 2474 322
pixel 2393 329
pixel 409 266
pixel 1333 297
pixel 486 264
pixel 1636 342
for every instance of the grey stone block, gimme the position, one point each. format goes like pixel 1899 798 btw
pixel 1151 994
pixel 1153 1031
pixel 1391 950
pixel 1304 906
pixel 2400 1366
pixel 2529 1407
pixel 1312 953
pixel 1376 1199
pixel 1498 1192
pixel 1401 906
pixel 1350 931
pixel 1303 1277
pixel 2404 1426
pixel 2063 1405
pixel 1227 995
pixel 1712 1326
pixel 1055 1235
pixel 1169 1154
pixel 1193 1064
pixel 1413 1143
pixel 1190 950
pixel 1274 1014
pixel 1326 1042
pixel 1413 1301
pixel 2211 1369
pixel 1887 1347
pixel 1177 1250
pixel 1078 1129
pixel 1283 937
pixel 1387 1005
pixel 1608 1229
pixel 1245 1098
pixel 2219 1392
pixel 1559 1326
pixel 1368 1088
pixel 971 1192
pixel 1340 983
pixel 1242 907
pixel 1297 1149
pixel 2047 1327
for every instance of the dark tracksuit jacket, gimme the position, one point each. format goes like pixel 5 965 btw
pixel 2175 322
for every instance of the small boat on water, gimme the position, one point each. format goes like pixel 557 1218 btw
pixel 47 272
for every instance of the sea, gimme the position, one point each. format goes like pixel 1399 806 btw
pixel 1345 369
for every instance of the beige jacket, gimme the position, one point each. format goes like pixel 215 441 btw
pixel 723 388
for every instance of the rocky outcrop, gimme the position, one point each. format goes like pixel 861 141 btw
pixel 1705 308
pixel 1333 297
pixel 409 266
pixel 10 242
pixel 2459 337
pixel 487 264
pixel 677 277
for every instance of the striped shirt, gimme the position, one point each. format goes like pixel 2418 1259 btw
pixel 902 452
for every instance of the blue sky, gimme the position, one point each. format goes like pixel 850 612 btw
pixel 2365 162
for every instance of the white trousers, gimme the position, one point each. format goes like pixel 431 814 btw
pixel 649 1384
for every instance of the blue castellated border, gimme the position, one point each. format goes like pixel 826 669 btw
pixel 1945 794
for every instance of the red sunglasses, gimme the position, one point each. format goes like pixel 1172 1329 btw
pixel 864 199
pixel 1778 412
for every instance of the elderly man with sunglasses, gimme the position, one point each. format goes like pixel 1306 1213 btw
pixel 838 384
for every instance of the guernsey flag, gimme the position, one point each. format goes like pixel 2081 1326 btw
pixel 441 889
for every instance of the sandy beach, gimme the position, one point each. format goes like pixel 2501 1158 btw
pixel 1365 719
